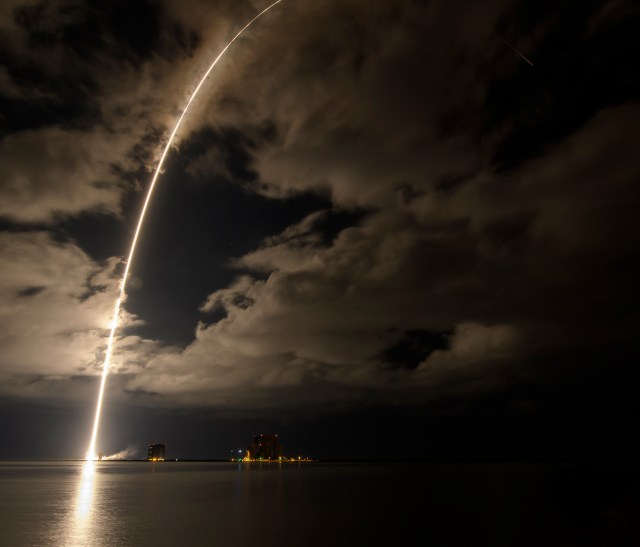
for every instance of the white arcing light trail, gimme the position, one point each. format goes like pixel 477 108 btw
pixel 91 452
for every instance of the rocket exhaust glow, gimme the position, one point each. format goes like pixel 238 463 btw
pixel 91 455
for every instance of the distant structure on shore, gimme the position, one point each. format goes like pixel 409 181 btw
pixel 155 453
pixel 264 447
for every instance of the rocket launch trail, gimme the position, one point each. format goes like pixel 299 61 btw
pixel 91 455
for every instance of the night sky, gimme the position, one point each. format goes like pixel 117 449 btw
pixel 382 233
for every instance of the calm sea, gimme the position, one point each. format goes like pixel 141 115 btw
pixel 316 504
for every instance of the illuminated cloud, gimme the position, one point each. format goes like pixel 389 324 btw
pixel 466 254
pixel 73 174
pixel 56 308
pixel 492 263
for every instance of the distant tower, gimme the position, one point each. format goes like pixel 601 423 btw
pixel 264 447
pixel 155 453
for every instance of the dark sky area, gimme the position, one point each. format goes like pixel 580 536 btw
pixel 388 229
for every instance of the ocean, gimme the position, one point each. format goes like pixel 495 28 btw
pixel 317 504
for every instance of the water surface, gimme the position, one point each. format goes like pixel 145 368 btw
pixel 316 504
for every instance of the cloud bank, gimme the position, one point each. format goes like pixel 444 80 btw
pixel 489 234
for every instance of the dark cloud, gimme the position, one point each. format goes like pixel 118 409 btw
pixel 581 64
pixel 414 348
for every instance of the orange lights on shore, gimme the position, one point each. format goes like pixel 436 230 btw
pixel 247 459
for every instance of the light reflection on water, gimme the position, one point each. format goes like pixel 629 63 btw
pixel 81 510
pixel 95 515
pixel 138 503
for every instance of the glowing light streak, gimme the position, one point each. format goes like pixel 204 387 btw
pixel 508 44
pixel 116 312
pixel 513 48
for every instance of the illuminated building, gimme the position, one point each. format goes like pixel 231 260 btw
pixel 155 453
pixel 264 447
